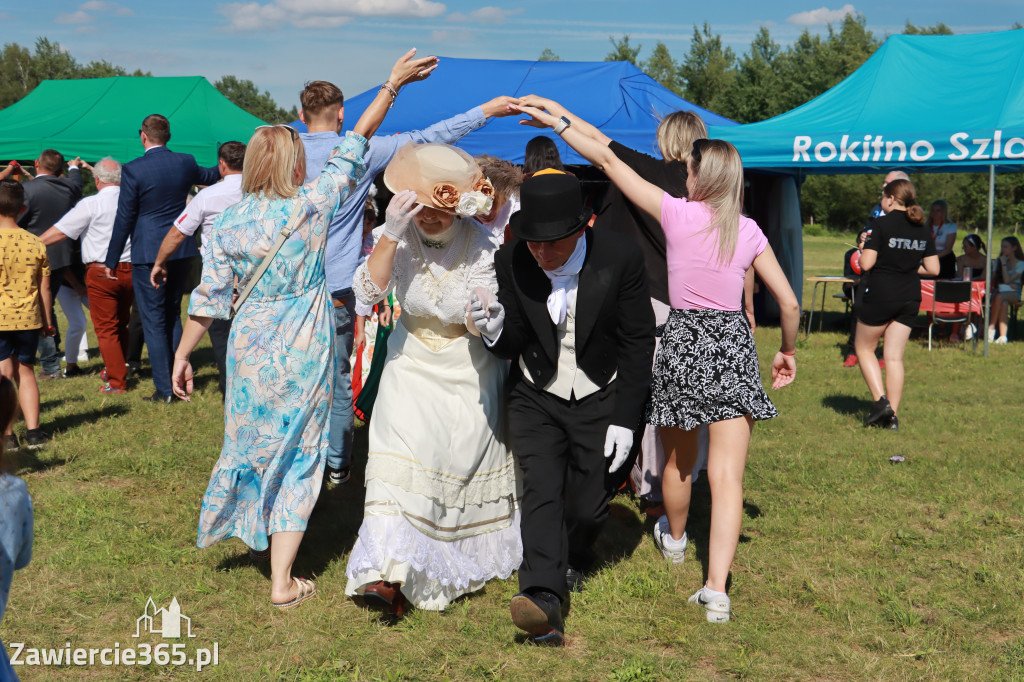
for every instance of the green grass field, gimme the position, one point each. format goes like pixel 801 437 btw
pixel 849 567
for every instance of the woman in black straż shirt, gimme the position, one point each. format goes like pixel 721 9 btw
pixel 899 251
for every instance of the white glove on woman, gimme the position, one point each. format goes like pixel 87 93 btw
pixel 399 215
pixel 487 314
pixel 617 440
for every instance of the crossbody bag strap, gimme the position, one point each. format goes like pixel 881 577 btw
pixel 295 221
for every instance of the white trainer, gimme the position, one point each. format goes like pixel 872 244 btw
pixel 673 550
pixel 991 334
pixel 969 332
pixel 1002 340
pixel 715 608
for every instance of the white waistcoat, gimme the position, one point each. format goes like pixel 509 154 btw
pixel 569 380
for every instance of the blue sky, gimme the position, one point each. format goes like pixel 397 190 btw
pixel 280 44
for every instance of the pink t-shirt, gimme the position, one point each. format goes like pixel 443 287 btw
pixel 696 279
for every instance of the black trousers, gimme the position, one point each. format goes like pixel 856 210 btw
pixel 133 356
pixel 566 487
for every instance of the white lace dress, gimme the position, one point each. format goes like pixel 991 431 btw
pixel 441 515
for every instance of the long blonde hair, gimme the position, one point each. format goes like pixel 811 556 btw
pixel 677 133
pixel 271 157
pixel 718 182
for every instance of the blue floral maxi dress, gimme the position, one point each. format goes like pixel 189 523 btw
pixel 280 360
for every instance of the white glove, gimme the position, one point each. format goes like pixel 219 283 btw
pixel 399 215
pixel 488 315
pixel 618 440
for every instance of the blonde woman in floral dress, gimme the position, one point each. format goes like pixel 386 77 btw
pixel 280 362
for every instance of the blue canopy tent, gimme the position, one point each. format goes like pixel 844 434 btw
pixel 926 103
pixel 617 97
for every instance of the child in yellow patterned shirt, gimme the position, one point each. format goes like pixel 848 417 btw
pixel 25 310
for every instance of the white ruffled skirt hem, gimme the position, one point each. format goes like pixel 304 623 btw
pixel 432 573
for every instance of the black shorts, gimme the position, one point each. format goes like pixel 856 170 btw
pixel 21 344
pixel 877 311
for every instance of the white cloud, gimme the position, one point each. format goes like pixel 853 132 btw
pixel 445 36
pixel 485 15
pixel 254 16
pixel 103 6
pixel 83 16
pixel 820 16
pixel 78 17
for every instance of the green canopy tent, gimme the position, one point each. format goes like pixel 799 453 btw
pixel 97 117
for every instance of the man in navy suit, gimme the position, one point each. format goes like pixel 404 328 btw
pixel 153 192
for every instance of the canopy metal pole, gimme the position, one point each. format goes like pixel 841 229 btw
pixel 988 269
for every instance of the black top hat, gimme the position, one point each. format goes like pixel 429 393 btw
pixel 551 208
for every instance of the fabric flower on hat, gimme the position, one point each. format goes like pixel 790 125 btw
pixel 485 187
pixel 444 195
pixel 474 203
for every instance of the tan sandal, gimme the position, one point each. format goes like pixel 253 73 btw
pixel 307 590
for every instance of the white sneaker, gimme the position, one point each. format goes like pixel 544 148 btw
pixel 991 334
pixel 969 332
pixel 673 550
pixel 715 608
pixel 1002 341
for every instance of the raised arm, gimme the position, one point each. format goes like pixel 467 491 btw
pixel 642 193
pixel 378 266
pixel 406 70
pixel 557 110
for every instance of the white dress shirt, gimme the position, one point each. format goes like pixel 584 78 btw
pixel 208 204
pixel 92 221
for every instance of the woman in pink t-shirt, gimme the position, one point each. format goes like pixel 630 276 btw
pixel 706 370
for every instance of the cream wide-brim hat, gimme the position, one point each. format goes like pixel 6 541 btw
pixel 444 177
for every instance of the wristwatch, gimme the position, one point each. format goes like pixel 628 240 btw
pixel 562 124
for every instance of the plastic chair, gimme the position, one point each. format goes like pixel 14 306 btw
pixel 955 293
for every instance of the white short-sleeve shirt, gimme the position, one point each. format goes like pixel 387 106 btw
pixel 208 204
pixel 92 221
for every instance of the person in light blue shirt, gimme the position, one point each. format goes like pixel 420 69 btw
pixel 323 113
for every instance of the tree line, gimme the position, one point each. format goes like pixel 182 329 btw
pixel 764 81
pixel 768 80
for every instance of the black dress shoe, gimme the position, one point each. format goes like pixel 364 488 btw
pixel 157 398
pixel 540 615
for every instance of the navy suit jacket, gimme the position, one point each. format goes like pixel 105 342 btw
pixel 153 191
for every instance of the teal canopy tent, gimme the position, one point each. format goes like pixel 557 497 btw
pixel 97 117
pixel 925 103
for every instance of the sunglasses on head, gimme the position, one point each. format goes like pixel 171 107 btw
pixel 292 131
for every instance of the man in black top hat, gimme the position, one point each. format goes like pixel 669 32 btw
pixel 574 316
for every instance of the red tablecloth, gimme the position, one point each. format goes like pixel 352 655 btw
pixel 928 293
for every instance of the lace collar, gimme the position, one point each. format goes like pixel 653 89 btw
pixel 439 241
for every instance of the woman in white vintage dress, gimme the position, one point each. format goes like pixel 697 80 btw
pixel 440 517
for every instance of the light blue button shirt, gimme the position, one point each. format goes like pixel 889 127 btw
pixel 345 235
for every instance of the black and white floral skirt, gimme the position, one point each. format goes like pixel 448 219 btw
pixel 706 371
